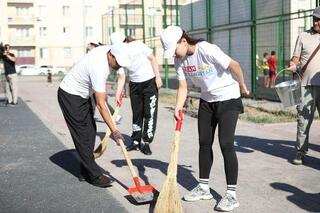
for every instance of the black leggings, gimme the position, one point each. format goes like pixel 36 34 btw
pixel 224 115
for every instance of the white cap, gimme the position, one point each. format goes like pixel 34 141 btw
pixel 120 52
pixel 169 39
pixel 117 37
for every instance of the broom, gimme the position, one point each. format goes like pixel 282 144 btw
pixel 169 200
pixel 103 144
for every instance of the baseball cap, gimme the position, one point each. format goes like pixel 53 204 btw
pixel 117 37
pixel 169 39
pixel 316 12
pixel 120 52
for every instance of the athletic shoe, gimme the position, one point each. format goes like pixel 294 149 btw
pixel 298 158
pixel 198 193
pixel 133 146
pixel 145 148
pixel 227 203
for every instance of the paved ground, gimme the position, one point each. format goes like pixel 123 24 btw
pixel 267 182
pixel 36 170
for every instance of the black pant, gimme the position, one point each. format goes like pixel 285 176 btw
pixel 144 104
pixel 224 115
pixel 78 113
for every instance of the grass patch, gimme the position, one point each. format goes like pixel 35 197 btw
pixel 260 115
pixel 252 114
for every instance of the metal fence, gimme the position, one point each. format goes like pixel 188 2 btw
pixel 244 29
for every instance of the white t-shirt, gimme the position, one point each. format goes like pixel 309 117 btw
pixel 140 69
pixel 207 68
pixel 89 73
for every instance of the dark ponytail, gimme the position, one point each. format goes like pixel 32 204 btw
pixel 190 40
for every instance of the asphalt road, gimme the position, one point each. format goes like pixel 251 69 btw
pixel 38 174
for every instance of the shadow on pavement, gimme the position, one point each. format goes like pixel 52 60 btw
pixel 70 162
pixel 307 201
pixel 278 148
pixel 67 160
pixel 185 177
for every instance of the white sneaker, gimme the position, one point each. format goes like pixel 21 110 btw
pixel 198 193
pixel 227 203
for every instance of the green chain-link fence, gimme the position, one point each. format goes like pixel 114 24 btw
pixel 244 29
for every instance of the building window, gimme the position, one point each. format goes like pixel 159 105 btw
pixel 66 30
pixel 89 31
pixel 43 31
pixel 24 53
pixel 87 10
pixel 44 53
pixel 152 31
pixel 67 52
pixel 42 11
pixel 301 29
pixel 23 11
pixel 23 32
pixel 131 32
pixel 65 10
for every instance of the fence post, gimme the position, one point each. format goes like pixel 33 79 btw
pixel 166 67
pixel 126 15
pixel 280 40
pixel 208 19
pixel 253 48
pixel 191 14
pixel 177 12
pixel 143 24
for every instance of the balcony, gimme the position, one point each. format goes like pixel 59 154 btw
pixel 20 1
pixel 22 41
pixel 21 20
pixel 130 2
pixel 133 20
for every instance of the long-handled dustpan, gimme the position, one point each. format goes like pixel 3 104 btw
pixel 141 193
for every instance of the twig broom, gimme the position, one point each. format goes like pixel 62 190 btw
pixel 169 200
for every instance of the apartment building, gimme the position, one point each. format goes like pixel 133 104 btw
pixel 45 32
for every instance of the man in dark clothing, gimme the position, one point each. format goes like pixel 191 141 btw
pixel 11 76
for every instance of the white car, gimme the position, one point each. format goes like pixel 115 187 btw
pixel 29 69
pixel 54 70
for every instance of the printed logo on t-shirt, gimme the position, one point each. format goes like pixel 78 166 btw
pixel 203 70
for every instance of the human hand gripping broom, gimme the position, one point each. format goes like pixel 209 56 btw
pixel 103 145
pixel 169 200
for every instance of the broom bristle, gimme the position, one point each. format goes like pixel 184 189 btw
pixel 169 200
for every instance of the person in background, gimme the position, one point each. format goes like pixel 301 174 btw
pixel 272 63
pixel 308 44
pixel 265 69
pixel 9 62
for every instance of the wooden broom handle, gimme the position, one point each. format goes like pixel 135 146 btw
pixel 126 156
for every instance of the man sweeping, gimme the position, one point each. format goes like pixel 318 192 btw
pixel 90 73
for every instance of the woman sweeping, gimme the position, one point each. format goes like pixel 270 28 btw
pixel 221 81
